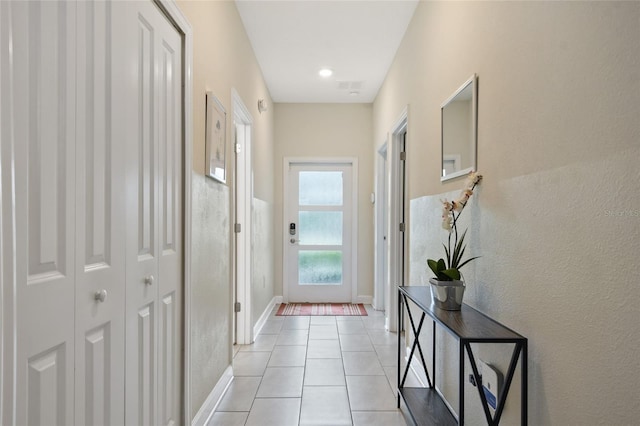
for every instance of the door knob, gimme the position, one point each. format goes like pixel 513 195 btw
pixel 293 241
pixel 148 280
pixel 101 295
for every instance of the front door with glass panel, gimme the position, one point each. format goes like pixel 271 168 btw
pixel 318 233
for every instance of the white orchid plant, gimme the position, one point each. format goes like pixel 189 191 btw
pixel 448 269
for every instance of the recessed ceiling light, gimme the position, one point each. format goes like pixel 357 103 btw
pixel 325 72
pixel 354 93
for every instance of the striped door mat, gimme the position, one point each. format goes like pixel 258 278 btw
pixel 320 309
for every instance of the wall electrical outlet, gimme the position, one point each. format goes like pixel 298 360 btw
pixel 491 384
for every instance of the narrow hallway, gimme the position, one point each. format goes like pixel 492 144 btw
pixel 319 370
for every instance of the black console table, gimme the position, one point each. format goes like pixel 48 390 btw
pixel 425 405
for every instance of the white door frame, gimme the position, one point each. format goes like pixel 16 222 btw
pixel 353 161
pixel 175 15
pixel 380 226
pixel 242 128
pixel 398 243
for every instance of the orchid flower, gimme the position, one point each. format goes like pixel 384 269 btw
pixel 449 269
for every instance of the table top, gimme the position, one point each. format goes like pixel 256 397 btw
pixel 466 324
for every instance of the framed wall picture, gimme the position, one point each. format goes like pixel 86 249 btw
pixel 215 139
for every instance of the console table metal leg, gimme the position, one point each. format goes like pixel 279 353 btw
pixel 433 354
pixel 478 380
pixel 524 384
pixel 400 345
pixel 461 384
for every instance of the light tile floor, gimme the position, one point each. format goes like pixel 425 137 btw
pixel 328 371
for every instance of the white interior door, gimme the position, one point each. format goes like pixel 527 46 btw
pixel 42 64
pixel 397 220
pixel 318 232
pixel 242 125
pixel 152 54
pixel 99 222
pixel 381 229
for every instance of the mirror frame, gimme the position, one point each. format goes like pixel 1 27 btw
pixel 474 129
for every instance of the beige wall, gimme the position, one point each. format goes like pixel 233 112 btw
pixel 557 216
pixel 328 130
pixel 222 59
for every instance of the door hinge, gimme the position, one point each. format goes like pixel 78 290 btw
pixel 403 156
pixel 237 307
pixel 237 228
pixel 238 148
pixel 402 227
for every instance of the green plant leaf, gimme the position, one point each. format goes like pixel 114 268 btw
pixel 460 255
pixel 467 261
pixel 438 268
pixel 433 265
pixel 457 255
pixel 452 273
pixel 441 276
pixel 446 251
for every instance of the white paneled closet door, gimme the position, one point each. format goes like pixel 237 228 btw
pixel 42 62
pixel 154 172
pixel 100 221
pixel 91 214
pixel 69 217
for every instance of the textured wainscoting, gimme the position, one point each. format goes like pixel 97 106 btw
pixel 211 284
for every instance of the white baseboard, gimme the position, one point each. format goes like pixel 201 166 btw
pixel 211 403
pixel 279 299
pixel 265 316
pixel 366 300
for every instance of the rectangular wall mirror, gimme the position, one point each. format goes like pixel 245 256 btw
pixel 459 127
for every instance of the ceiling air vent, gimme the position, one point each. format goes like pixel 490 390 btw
pixel 350 85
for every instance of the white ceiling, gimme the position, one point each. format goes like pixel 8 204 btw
pixel 293 39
